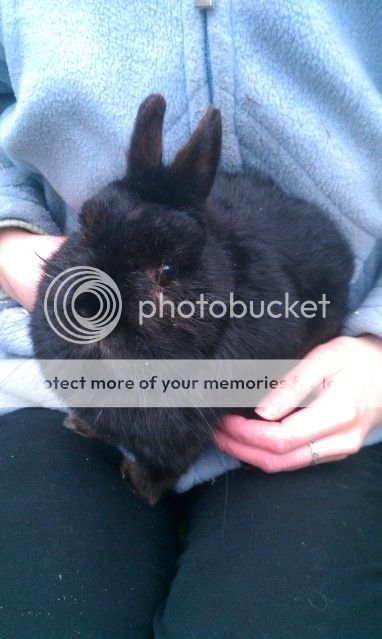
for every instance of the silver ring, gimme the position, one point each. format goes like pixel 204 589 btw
pixel 315 453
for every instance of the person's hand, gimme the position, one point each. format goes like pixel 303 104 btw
pixel 22 256
pixel 333 425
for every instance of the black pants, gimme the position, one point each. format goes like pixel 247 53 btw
pixel 296 555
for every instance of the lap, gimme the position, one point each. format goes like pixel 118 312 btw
pixel 287 556
pixel 293 555
pixel 80 554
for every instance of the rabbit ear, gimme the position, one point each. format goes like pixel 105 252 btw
pixel 195 165
pixel 145 150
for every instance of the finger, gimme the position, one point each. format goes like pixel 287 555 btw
pixel 316 369
pixel 326 415
pixel 328 449
pixel 252 432
pixel 329 414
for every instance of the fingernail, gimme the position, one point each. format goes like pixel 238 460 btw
pixel 268 412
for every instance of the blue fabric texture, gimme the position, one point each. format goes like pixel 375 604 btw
pixel 298 84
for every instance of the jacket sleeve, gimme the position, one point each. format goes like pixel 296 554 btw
pixel 22 202
pixel 368 317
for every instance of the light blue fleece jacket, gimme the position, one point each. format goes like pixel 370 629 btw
pixel 299 85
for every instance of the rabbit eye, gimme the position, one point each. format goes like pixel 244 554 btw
pixel 167 274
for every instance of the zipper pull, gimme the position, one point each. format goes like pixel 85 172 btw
pixel 204 4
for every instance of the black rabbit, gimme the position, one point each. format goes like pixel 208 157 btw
pixel 176 230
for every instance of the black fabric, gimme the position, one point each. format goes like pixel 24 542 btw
pixel 289 556
pixel 80 555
